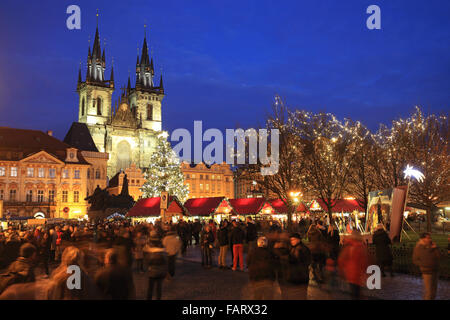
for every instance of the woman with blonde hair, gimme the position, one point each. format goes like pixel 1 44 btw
pixel 62 289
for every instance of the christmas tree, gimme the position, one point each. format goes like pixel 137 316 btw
pixel 164 173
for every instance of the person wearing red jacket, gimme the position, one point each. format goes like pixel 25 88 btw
pixel 353 262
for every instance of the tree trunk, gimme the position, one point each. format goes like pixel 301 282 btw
pixel 429 219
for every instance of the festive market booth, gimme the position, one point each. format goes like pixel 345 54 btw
pixel 280 210
pixel 149 210
pixel 252 207
pixel 347 213
pixel 217 208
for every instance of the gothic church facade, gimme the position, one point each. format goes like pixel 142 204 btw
pixel 127 129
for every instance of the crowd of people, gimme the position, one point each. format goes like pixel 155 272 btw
pixel 277 262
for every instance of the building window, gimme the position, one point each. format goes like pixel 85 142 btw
pixel 76 196
pixel 187 176
pixel 201 186
pixel 99 106
pixel 52 173
pixel 1 194
pixel 40 196
pixel 51 195
pixel 201 177
pixel 188 186
pixel 41 172
pixel 213 187
pixel 65 174
pixel 65 196
pixel 206 177
pixel 193 187
pixel 97 174
pixel 29 196
pixel 13 171
pixel 149 111
pixel 12 195
pixel 77 174
pixel 82 107
pixel 88 173
pixel 137 182
pixel 207 187
pixel 193 176
pixel 30 172
pixel 2 171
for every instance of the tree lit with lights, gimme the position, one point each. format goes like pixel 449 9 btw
pixel 164 173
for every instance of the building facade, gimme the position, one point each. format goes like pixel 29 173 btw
pixel 39 173
pixel 208 181
pixel 127 130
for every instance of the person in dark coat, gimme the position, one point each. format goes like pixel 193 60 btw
pixel 114 280
pixel 44 250
pixel 295 269
pixel 237 237
pixel 251 235
pixel 21 270
pixel 383 249
pixel 207 243
pixel 222 237
pixel 333 241
pixel 317 247
pixel 261 270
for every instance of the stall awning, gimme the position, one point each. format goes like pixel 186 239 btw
pixel 204 207
pixel 341 205
pixel 247 206
pixel 151 207
pixel 280 208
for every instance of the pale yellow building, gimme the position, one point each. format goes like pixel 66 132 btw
pixel 39 173
pixel 135 182
pixel 208 181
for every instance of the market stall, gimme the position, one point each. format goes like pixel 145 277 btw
pixel 149 210
pixel 252 207
pixel 347 213
pixel 280 211
pixel 217 208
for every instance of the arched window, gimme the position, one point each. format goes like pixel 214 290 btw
pixel 97 174
pixel 149 111
pixel 99 106
pixel 82 107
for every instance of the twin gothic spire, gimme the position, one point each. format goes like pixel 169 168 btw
pixel 96 65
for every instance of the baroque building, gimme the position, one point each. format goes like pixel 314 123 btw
pixel 127 129
pixel 206 181
pixel 41 174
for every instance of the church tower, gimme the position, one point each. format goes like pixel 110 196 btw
pixel 146 98
pixel 95 93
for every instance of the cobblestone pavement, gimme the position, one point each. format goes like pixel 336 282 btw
pixel 193 282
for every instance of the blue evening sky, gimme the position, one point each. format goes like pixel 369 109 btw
pixel 223 61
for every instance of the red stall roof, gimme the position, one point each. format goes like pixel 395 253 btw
pixel 281 208
pixel 151 207
pixel 342 205
pixel 203 207
pixel 247 206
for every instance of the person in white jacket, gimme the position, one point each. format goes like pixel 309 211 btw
pixel 172 244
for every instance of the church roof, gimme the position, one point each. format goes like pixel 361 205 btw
pixel 17 144
pixel 79 137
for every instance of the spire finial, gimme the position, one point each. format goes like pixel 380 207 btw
pixel 97 18
pixel 145 30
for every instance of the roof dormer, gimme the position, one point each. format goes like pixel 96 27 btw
pixel 71 155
